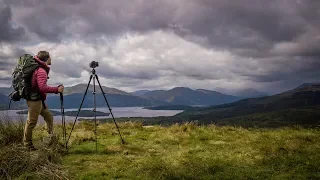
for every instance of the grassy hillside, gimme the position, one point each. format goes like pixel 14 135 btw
pixel 191 152
pixel 182 151
pixel 289 107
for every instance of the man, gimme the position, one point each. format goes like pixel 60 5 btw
pixel 36 103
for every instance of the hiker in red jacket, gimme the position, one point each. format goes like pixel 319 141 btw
pixel 36 103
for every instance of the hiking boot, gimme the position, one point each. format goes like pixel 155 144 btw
pixel 50 140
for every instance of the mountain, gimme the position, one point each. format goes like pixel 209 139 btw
pixel 81 88
pixel 249 93
pixel 187 96
pixel 3 99
pixel 140 92
pixel 4 103
pixel 73 96
pixel 154 94
pixel 244 93
pixel 306 85
pixel 5 90
pixel 114 100
pixel 115 97
pixel 301 105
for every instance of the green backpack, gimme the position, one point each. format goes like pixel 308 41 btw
pixel 22 79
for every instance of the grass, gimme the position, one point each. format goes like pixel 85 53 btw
pixel 10 132
pixel 16 162
pixel 188 151
pixel 179 151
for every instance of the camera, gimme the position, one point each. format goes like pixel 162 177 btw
pixel 94 64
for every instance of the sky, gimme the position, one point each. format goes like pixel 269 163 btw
pixel 271 46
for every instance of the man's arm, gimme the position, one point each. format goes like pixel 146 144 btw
pixel 42 79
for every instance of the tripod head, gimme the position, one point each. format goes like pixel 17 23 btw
pixel 93 71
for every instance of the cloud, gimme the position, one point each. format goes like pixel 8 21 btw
pixel 249 28
pixel 9 30
pixel 9 55
pixel 224 43
pixel 162 59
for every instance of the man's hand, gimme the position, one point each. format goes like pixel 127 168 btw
pixel 60 89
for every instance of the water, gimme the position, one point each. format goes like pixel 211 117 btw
pixel 117 112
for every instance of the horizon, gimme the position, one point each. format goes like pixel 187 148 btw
pixel 217 90
pixel 269 46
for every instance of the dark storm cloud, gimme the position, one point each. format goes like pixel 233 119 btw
pixel 9 55
pixel 282 36
pixel 55 20
pixel 8 31
pixel 247 27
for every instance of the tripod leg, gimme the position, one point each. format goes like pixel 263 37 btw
pixel 95 111
pixel 109 108
pixel 79 108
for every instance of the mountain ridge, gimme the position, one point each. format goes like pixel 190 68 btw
pixel 303 97
pixel 188 96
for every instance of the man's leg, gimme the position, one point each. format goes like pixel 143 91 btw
pixel 48 118
pixel 34 109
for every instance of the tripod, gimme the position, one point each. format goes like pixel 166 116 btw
pixel 94 76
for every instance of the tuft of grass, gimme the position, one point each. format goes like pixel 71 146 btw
pixel 16 162
pixel 10 131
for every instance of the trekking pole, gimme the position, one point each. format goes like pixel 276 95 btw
pixel 64 132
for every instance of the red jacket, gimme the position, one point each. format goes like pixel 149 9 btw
pixel 40 78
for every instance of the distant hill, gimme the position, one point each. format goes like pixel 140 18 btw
pixel 170 107
pixel 83 113
pixel 81 88
pixel 5 90
pixel 250 93
pixel 187 96
pixel 175 96
pixel 307 116
pixel 114 100
pixel 140 92
pixel 244 93
pixel 154 94
pixel 4 103
pixel 306 97
pixel 3 99
pixel 115 97
pixel 307 85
